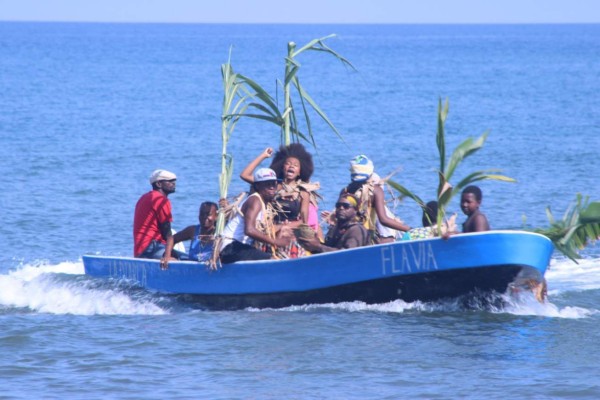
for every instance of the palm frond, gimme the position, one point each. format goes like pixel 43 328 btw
pixel 445 192
pixel 306 98
pixel 405 192
pixel 462 151
pixel 286 117
pixel 260 93
pixel 579 227
pixel 440 137
pixel 480 176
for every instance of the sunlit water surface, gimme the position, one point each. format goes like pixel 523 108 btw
pixel 87 111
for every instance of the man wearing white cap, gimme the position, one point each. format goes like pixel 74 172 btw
pixel 252 223
pixel 152 220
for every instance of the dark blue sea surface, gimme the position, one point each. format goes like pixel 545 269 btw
pixel 88 111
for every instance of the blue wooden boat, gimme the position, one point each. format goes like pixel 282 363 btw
pixel 427 270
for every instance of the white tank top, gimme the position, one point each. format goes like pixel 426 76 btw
pixel 235 228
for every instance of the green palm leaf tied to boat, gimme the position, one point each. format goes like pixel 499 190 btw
pixel 579 227
pixel 446 191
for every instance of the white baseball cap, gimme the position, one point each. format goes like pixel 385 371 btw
pixel 265 174
pixel 161 175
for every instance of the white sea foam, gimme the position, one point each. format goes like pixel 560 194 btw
pixel 526 304
pixel 564 275
pixel 45 288
pixel 396 306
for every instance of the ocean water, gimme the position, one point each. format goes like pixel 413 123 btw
pixel 87 111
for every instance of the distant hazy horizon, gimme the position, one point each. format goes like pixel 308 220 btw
pixel 311 11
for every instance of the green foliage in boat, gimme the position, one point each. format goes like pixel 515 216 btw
pixel 579 227
pixel 445 190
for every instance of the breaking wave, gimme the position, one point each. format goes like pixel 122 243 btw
pixel 64 289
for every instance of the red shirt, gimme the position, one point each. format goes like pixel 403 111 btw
pixel 152 209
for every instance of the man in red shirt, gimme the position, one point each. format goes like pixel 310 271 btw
pixel 152 235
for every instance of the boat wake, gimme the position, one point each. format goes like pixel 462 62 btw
pixel 497 304
pixel 564 277
pixel 524 305
pixel 64 289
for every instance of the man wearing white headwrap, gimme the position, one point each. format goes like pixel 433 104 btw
pixel 368 187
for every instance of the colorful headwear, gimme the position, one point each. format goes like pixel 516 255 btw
pixel 361 168
pixel 161 175
pixel 265 174
pixel 352 199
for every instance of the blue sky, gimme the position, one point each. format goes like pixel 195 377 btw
pixel 304 11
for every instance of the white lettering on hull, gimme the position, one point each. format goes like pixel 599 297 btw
pixel 413 257
pixel 121 269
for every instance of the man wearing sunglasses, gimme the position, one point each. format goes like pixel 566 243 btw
pixel 346 234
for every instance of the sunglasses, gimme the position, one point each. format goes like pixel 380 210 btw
pixel 345 206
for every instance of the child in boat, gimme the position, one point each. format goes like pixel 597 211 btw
pixel 201 235
pixel 470 201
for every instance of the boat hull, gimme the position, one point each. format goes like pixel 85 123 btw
pixel 424 270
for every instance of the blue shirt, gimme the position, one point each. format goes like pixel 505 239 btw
pixel 198 250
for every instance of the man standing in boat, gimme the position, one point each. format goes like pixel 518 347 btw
pixel 152 235
pixel 250 234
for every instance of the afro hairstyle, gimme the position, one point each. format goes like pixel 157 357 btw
pixel 297 151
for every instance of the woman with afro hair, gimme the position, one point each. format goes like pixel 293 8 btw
pixel 296 197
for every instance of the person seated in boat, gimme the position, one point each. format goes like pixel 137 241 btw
pixel 202 235
pixel 250 234
pixel 348 232
pixel 430 228
pixel 372 200
pixel 296 198
pixel 152 235
pixel 429 220
pixel 470 201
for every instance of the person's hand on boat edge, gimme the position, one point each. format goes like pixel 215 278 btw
pixel 164 262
